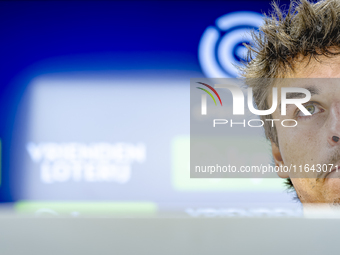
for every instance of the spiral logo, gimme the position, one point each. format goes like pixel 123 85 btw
pixel 221 46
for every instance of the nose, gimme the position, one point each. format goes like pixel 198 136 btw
pixel 334 134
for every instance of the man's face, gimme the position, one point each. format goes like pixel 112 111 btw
pixel 310 142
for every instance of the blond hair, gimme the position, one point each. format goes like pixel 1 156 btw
pixel 307 29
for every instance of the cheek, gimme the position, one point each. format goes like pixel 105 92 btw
pixel 298 145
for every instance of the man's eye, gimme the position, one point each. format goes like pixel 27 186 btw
pixel 312 108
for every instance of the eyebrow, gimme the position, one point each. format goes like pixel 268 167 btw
pixel 313 91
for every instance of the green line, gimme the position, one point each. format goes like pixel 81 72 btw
pixel 208 93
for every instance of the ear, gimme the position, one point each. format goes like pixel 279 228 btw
pixel 278 160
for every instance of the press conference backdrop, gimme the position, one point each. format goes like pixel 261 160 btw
pixel 96 105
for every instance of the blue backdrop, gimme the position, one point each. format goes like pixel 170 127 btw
pixel 143 40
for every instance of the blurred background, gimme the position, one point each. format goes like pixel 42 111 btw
pixel 95 105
